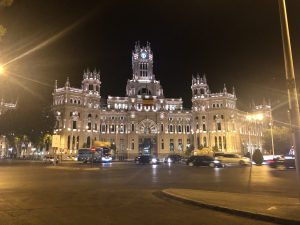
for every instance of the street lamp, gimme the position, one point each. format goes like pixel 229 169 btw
pixel 2 70
pixel 291 84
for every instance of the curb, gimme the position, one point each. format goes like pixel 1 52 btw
pixel 249 214
pixel 73 168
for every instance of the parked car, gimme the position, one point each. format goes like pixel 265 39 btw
pixel 283 162
pixel 173 158
pixel 203 160
pixel 146 159
pixel 233 159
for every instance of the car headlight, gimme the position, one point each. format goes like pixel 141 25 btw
pixel 216 161
pixel 154 160
pixel 169 160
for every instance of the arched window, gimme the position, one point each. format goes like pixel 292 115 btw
pixel 179 129
pixel 144 91
pixel 73 142
pixel 188 128
pixel 216 141
pixel 88 142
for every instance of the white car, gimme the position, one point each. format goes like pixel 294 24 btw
pixel 49 159
pixel 233 159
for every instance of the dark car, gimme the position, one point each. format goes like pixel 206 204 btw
pixel 146 159
pixel 173 159
pixel 203 160
pixel 283 162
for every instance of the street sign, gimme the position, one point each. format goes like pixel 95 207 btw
pixel 55 141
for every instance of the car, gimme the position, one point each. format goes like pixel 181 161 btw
pixel 203 160
pixel 146 159
pixel 173 158
pixel 50 159
pixel 283 162
pixel 233 159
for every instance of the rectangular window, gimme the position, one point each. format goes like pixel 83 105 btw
pixel 89 126
pixel 122 128
pixel 57 124
pixel 95 127
pixel 218 126
pixel 103 128
pixel 162 127
pixel 162 144
pixel 74 124
pixel 122 145
pixel 204 127
pixel 132 144
pixel 69 141
pixel 172 145
pixel 224 142
pixel 132 127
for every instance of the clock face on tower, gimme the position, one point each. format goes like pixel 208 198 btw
pixel 143 55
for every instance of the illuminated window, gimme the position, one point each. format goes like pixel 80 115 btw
pixel 172 145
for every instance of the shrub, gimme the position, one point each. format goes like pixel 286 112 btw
pixel 257 157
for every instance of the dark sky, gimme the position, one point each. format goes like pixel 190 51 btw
pixel 232 41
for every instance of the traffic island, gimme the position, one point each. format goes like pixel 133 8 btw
pixel 277 209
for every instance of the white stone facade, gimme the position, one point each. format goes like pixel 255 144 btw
pixel 146 122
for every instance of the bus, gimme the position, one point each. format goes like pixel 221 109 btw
pixel 105 153
pixel 99 154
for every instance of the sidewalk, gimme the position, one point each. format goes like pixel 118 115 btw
pixel 276 209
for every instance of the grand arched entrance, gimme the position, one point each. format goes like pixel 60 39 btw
pixel 147 137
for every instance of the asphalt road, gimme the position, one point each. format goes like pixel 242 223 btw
pixel 125 193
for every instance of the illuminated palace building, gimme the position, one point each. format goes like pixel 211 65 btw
pixel 146 122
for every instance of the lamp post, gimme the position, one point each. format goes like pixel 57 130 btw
pixel 272 137
pixel 291 84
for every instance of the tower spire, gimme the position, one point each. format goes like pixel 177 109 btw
pixel 225 89
pixel 67 84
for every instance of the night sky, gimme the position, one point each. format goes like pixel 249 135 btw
pixel 231 41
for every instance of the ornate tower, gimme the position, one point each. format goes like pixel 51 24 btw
pixel 142 63
pixel 91 82
pixel 199 86
pixel 143 81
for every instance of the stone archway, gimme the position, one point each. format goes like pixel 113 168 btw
pixel 147 137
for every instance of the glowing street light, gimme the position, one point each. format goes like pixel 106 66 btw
pixel 2 70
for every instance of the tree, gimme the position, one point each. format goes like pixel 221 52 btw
pixel 281 137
